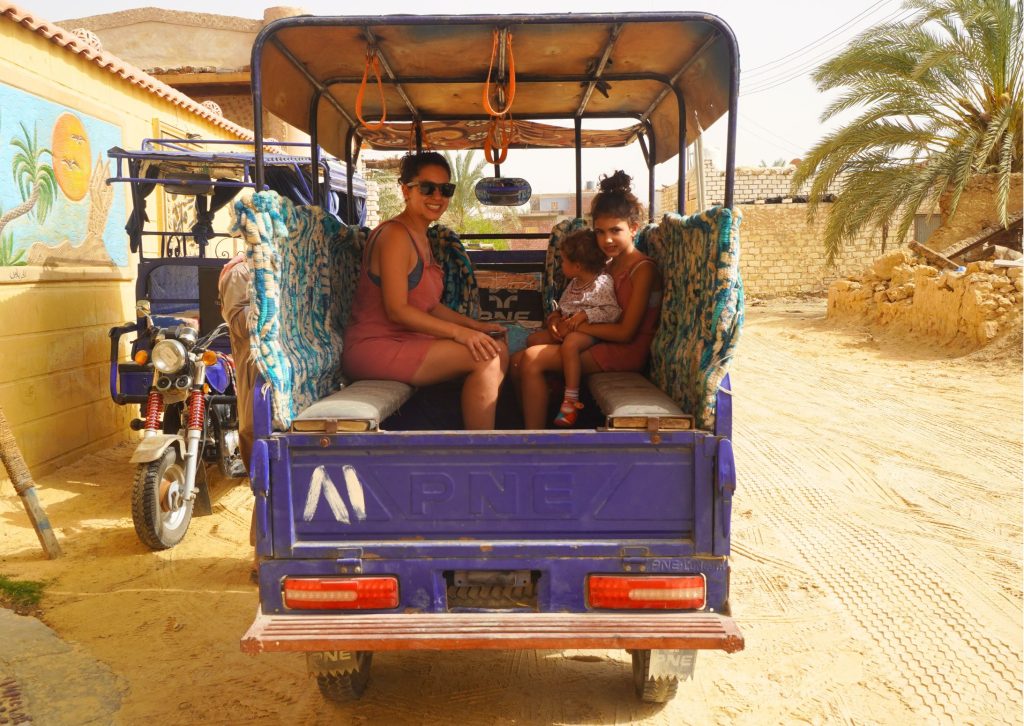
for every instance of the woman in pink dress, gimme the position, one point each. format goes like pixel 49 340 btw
pixel 624 345
pixel 399 330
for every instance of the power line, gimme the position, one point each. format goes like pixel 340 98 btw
pixel 787 149
pixel 778 73
pixel 767 84
pixel 791 145
pixel 840 28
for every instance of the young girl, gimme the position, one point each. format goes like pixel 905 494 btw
pixel 588 298
pixel 624 345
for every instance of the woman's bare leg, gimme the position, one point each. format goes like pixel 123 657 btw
pixel 447 359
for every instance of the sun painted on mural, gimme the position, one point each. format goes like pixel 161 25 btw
pixel 56 208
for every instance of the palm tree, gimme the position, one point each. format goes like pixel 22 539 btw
pixel 939 96
pixel 36 180
pixel 466 172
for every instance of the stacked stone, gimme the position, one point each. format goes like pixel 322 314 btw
pixel 901 290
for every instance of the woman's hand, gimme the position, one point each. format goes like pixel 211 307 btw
pixel 481 345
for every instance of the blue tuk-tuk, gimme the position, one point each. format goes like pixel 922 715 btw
pixel 179 262
pixel 384 526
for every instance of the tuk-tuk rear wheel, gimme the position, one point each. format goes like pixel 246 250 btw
pixel 344 687
pixel 650 690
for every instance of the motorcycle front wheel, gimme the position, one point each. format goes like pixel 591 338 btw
pixel 159 511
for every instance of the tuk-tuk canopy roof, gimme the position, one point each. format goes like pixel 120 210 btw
pixel 434 71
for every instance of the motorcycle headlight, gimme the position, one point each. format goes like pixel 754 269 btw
pixel 169 356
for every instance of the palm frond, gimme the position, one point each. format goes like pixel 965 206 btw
pixel 938 96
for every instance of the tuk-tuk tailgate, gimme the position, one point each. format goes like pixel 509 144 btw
pixel 383 486
pixel 492 631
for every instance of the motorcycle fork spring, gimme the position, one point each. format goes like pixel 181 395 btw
pixel 196 410
pixel 154 410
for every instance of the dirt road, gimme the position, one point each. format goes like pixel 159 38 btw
pixel 876 572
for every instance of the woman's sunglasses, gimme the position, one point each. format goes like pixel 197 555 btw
pixel 427 188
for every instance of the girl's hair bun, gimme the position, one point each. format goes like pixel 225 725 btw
pixel 620 182
pixel 616 199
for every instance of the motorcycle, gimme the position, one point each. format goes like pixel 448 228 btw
pixel 187 420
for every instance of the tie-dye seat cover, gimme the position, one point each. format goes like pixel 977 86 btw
pixel 305 265
pixel 554 280
pixel 702 311
pixel 702 308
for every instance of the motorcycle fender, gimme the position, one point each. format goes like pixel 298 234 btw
pixel 153 447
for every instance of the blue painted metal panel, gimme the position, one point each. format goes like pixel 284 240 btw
pixel 523 485
pixel 725 487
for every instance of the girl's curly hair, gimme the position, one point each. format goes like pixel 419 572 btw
pixel 581 247
pixel 616 199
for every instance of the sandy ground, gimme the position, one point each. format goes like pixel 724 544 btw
pixel 876 572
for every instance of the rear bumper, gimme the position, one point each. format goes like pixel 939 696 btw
pixel 492 631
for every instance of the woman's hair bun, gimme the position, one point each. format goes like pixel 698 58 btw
pixel 620 181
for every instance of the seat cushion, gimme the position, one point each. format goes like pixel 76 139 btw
pixel 628 400
pixel 360 406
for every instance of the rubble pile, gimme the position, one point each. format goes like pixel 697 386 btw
pixel 902 291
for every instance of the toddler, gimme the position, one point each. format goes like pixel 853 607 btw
pixel 588 298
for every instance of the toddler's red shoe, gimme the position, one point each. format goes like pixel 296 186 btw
pixel 567 413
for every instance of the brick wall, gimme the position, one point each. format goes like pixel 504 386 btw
pixel 781 253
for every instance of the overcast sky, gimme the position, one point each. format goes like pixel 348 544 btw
pixel 780 43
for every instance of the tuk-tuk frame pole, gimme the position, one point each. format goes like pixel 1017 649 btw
pixel 314 147
pixel 601 65
pixel 681 188
pixel 730 149
pixel 350 207
pixel 372 40
pixel 650 166
pixel 577 124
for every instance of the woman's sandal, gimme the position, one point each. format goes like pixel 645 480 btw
pixel 567 413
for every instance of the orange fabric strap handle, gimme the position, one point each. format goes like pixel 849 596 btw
pixel 511 78
pixel 371 62
pixel 498 136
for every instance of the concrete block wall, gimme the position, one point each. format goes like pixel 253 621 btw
pixel 54 348
pixel 781 253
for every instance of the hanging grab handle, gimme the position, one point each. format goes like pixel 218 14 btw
pixel 371 62
pixel 499 135
pixel 511 77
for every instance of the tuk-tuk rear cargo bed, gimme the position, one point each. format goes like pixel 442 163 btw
pixel 492 631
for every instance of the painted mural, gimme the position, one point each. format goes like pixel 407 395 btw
pixel 56 209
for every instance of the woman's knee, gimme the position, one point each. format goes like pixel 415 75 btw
pixel 492 367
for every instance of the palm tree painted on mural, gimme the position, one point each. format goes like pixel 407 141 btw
pixel 940 99
pixel 36 181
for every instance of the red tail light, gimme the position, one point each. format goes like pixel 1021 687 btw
pixel 625 592
pixel 341 593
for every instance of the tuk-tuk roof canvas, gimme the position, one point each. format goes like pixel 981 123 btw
pixel 435 68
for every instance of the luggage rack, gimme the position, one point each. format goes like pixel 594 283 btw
pixel 214 176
